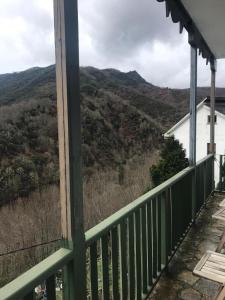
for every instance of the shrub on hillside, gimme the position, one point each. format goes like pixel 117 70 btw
pixel 173 160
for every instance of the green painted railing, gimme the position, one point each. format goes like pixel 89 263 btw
pixel 221 185
pixel 23 286
pixel 127 252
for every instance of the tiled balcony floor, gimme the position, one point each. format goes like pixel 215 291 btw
pixel 179 282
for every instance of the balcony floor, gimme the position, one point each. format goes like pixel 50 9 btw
pixel 179 282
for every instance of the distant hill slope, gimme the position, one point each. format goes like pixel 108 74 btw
pixel 123 116
pixel 164 105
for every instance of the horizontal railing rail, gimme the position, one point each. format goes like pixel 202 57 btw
pixel 22 287
pixel 127 252
pixel 204 159
pixel 104 226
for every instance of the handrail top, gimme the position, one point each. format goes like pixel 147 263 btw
pixel 22 285
pixel 113 220
pixel 204 159
pixel 95 232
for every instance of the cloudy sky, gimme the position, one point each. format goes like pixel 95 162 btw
pixel 123 34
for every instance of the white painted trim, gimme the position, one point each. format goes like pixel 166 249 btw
pixel 216 112
pixel 186 117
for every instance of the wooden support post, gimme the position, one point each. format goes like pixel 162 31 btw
pixel 192 133
pixel 212 111
pixel 69 126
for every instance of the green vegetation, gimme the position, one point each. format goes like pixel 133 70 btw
pixel 28 148
pixel 123 117
pixel 172 161
pixel 113 129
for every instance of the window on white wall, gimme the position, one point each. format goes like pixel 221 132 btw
pixel 208 148
pixel 209 119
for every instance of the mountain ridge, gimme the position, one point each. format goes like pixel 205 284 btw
pixel 123 117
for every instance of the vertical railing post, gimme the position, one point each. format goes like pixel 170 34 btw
pixel 212 113
pixel 221 165
pixel 165 230
pixel 204 180
pixel 69 127
pixel 192 133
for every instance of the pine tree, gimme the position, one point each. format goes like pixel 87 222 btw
pixel 173 160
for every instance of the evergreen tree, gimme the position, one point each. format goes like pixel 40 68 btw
pixel 173 160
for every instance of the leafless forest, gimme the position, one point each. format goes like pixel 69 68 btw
pixel 32 225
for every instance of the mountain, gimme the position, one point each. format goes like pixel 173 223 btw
pixel 123 116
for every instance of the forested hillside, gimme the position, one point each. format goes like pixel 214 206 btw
pixel 123 117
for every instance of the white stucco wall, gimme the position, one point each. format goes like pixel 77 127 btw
pixel 181 132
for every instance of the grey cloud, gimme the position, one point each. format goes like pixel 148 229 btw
pixel 27 39
pixel 124 34
pixel 122 27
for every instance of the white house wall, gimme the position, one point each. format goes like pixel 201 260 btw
pixel 181 133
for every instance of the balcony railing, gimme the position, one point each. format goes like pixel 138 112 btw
pixel 221 185
pixel 127 252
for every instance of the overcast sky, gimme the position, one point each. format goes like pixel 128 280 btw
pixel 122 34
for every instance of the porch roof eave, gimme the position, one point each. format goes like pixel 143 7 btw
pixel 204 20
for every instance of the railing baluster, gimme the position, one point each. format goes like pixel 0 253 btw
pixel 115 264
pixel 50 288
pixel 105 267
pixel 149 233
pixel 154 238
pixel 94 271
pixel 144 249
pixel 159 198
pixel 204 181
pixel 176 218
pixel 164 235
pixel 143 236
pixel 131 258
pixel 185 204
pixel 68 287
pixel 189 203
pixel 138 254
pixel 179 210
pixel 170 220
pixel 183 211
pixel 29 296
pixel 123 259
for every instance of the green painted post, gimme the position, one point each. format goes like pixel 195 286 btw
pixel 204 180
pixel 69 127
pixel 138 254
pixel 105 267
pixel 221 165
pixel 50 287
pixel 149 250
pixel 94 271
pixel 159 237
pixel 144 249
pixel 115 263
pixel 123 259
pixel 154 238
pixel 212 114
pixel 164 228
pixel 131 264
pixel 193 105
pixel 29 296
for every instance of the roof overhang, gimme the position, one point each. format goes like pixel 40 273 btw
pixel 205 22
